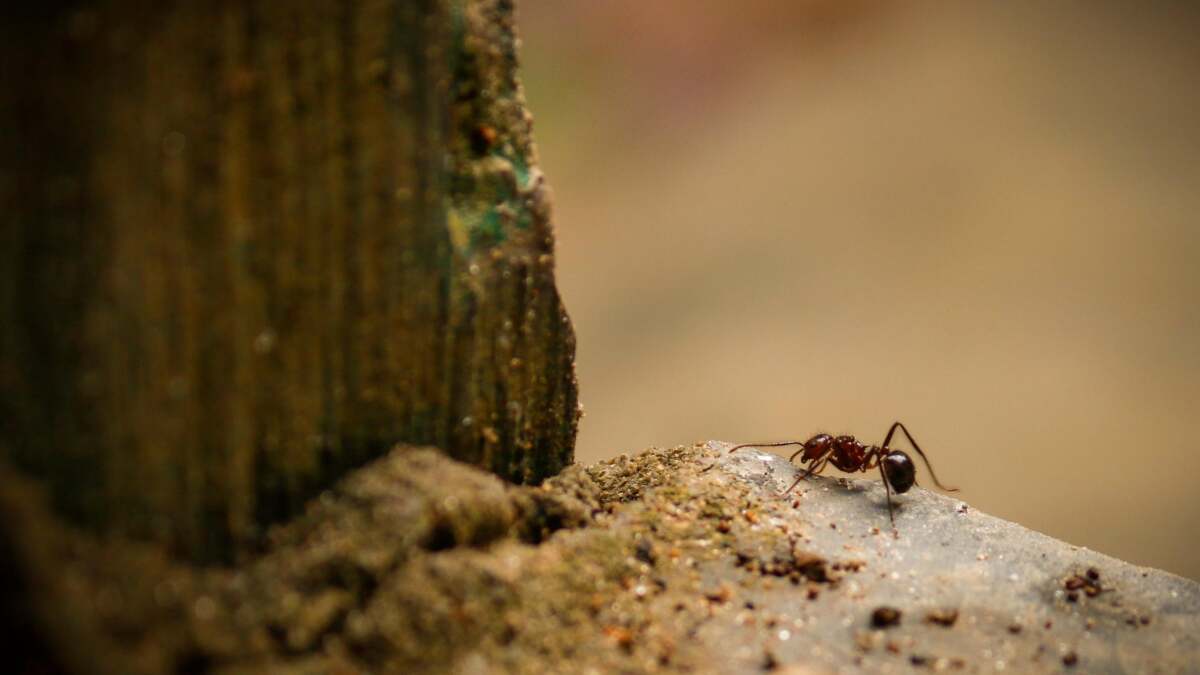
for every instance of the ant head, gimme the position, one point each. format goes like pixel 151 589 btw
pixel 899 470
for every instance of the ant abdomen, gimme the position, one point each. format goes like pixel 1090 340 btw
pixel 900 471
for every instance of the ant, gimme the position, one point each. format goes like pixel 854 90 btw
pixel 849 454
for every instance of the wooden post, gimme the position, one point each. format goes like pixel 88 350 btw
pixel 247 247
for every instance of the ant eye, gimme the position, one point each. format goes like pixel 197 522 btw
pixel 899 470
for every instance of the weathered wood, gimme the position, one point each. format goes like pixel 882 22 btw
pixel 249 246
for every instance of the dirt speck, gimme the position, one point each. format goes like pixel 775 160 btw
pixel 885 617
pixel 942 617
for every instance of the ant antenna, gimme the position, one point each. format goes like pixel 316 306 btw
pixel 757 445
pixel 765 445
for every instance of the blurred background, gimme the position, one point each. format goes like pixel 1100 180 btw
pixel 778 218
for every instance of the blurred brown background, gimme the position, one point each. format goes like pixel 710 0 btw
pixel 776 218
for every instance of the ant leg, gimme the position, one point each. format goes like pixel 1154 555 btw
pixel 887 487
pixel 874 458
pixel 916 447
pixel 812 468
pixel 757 445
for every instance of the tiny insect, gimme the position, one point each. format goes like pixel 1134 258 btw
pixel 848 454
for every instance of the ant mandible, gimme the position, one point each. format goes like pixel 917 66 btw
pixel 849 454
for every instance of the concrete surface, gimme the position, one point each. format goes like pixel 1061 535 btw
pixel 1019 601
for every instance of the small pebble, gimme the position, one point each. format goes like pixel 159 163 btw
pixel 885 617
pixel 645 551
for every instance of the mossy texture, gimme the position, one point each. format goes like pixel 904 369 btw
pixel 417 563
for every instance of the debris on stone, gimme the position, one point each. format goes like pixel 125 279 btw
pixel 942 617
pixel 885 617
pixel 636 564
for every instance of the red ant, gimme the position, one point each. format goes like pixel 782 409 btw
pixel 849 454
